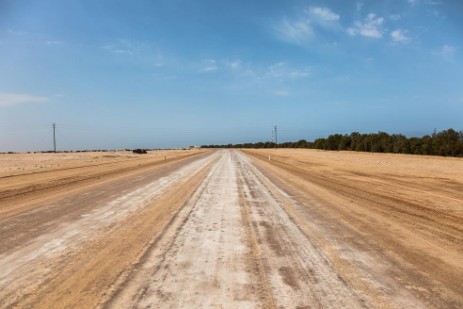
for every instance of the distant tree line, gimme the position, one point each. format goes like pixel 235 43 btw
pixel 445 143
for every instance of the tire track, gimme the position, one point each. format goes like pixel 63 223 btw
pixel 264 287
pixel 300 274
pixel 54 268
pixel 203 262
pixel 383 255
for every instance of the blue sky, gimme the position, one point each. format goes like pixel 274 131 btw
pixel 125 74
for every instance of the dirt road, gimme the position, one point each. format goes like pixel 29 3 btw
pixel 226 229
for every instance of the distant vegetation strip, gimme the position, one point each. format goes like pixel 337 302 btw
pixel 445 143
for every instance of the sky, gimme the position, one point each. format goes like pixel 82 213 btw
pixel 162 74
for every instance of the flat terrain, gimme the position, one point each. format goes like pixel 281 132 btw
pixel 231 229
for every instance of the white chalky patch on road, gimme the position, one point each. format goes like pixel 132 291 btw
pixel 20 265
pixel 207 264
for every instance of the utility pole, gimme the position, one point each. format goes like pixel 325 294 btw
pixel 276 136
pixel 54 137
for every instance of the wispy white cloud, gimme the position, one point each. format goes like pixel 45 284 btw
pixel 323 13
pixel 125 47
pixel 282 70
pixel 301 29
pixel 294 31
pixel 429 2
pixel 275 77
pixel 16 32
pixel 447 51
pixel 10 99
pixel 395 17
pixel 235 64
pixel 399 36
pixel 208 66
pixel 323 17
pixel 371 27
pixel 142 51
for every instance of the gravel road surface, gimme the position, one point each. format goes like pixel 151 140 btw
pixel 222 229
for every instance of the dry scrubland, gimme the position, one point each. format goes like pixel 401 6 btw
pixel 229 228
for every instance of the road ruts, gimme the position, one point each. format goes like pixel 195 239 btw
pixel 222 231
pixel 72 262
pixel 235 246
pixel 204 259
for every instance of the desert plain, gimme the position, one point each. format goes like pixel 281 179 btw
pixel 229 228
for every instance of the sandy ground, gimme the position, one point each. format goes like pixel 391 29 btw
pixel 231 229
pixel 45 174
pixel 23 163
pixel 392 224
